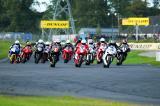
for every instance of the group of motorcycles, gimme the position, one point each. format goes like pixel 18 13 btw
pixel 21 57
pixel 102 54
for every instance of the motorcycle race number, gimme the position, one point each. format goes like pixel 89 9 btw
pixel 16 47
pixel 40 45
pixel 82 48
pixel 124 48
pixel 39 49
pixel 55 49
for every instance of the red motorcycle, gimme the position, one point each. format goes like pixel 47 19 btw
pixel 100 52
pixel 79 56
pixel 26 54
pixel 67 54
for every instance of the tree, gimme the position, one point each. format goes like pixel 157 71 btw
pixel 98 30
pixel 156 4
pixel 18 17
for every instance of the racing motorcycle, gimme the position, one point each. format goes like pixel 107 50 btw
pixel 26 54
pixel 79 56
pixel 90 56
pixel 100 53
pixel 45 55
pixel 54 56
pixel 14 57
pixel 38 54
pixel 122 54
pixel 108 56
pixel 67 54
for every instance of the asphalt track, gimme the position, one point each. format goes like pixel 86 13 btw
pixel 134 83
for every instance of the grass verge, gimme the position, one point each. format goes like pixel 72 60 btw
pixel 57 101
pixel 134 58
pixel 4 48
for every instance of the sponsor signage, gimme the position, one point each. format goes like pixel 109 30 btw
pixel 144 46
pixel 54 24
pixel 135 21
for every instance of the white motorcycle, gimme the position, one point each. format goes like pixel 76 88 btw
pixel 90 56
pixel 108 56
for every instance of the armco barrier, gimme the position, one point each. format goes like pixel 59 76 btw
pixel 145 46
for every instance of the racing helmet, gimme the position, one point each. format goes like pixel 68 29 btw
pixel 124 41
pixel 90 41
pixel 16 42
pixel 40 41
pixel 47 43
pixel 28 43
pixel 102 40
pixel 68 41
pixel 83 42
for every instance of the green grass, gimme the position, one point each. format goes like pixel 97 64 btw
pixel 134 58
pixel 57 101
pixel 4 48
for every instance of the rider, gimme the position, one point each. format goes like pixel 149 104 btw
pixel 40 44
pixel 68 44
pixel 17 46
pixel 125 43
pixel 56 43
pixel 91 44
pixel 101 42
pixel 47 46
pixel 28 45
pixel 78 41
pixel 83 43
pixel 113 43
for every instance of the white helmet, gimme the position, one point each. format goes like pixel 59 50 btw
pixel 83 41
pixel 68 41
pixel 16 42
pixel 47 43
pixel 40 41
pixel 102 40
pixel 90 41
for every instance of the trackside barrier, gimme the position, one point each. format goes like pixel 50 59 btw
pixel 145 46
pixel 158 56
pixel 148 47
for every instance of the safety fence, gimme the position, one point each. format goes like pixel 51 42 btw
pixel 144 46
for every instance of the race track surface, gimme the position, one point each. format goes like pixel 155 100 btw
pixel 135 83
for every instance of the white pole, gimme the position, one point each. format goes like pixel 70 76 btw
pixel 137 28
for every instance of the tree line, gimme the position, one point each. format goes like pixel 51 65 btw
pixel 18 16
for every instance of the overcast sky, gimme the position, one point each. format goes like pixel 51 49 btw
pixel 42 7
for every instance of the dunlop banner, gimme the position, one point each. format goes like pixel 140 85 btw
pixel 144 46
pixel 135 21
pixel 54 24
